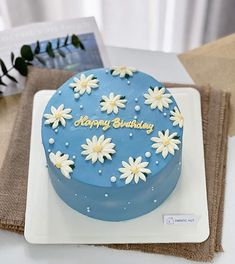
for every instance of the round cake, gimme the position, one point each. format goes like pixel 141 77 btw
pixel 113 143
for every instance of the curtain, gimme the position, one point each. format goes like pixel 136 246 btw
pixel 167 25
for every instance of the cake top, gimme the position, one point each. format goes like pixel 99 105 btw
pixel 111 127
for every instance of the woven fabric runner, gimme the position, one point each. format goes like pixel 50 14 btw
pixel 14 170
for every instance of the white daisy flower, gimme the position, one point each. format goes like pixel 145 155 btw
pixel 98 149
pixel 84 84
pixel 112 103
pixel 134 170
pixel 122 71
pixel 62 162
pixel 177 117
pixel 157 98
pixel 58 116
pixel 165 143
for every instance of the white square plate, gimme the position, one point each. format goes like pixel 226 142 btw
pixel 49 220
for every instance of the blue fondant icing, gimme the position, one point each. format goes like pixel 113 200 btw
pixel 105 199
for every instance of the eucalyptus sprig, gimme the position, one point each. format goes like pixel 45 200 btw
pixel 28 54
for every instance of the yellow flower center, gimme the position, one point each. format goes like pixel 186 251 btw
pixel 112 103
pixel 135 170
pixel 166 142
pixel 122 68
pixel 58 165
pixel 97 148
pixel 84 84
pixel 158 97
pixel 58 115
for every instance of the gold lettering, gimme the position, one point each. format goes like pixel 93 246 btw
pixel 115 123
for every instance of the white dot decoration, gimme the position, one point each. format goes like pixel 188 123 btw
pixel 59 92
pixel 74 157
pixel 154 201
pixel 107 71
pixel 106 195
pixel 128 202
pixel 81 106
pixel 164 114
pixel 76 95
pixel 147 154
pixel 88 209
pixel 76 194
pixel 136 100
pixel 113 179
pixel 67 144
pixel 135 117
pixel 100 171
pixel 56 130
pixel 124 208
pixel 157 162
pixel 152 188
pixel 49 150
pixel 131 135
pixel 128 82
pixel 51 141
pixel 137 108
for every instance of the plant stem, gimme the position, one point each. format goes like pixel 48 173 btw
pixel 7 72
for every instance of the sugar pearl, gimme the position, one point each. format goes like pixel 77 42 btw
pixel 130 134
pixel 157 162
pixel 136 99
pixel 74 157
pixel 49 150
pixel 135 117
pixel 56 130
pixel 107 71
pixel 76 95
pixel 137 108
pixel 154 201
pixel 147 154
pixel 113 179
pixel 81 106
pixel 164 114
pixel 67 144
pixel 59 92
pixel 106 195
pixel 51 141
pixel 100 171
pixel 128 82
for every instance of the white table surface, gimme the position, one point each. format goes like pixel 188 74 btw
pixel 14 248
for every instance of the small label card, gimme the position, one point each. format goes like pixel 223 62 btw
pixel 180 219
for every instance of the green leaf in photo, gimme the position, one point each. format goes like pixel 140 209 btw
pixel 21 66
pixel 12 58
pixel 66 40
pixel 3 67
pixel 49 50
pixel 26 52
pixel 37 48
pixel 75 41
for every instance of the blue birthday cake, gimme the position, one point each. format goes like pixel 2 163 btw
pixel 113 143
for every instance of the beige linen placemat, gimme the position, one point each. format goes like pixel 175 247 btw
pixel 13 174
pixel 214 64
